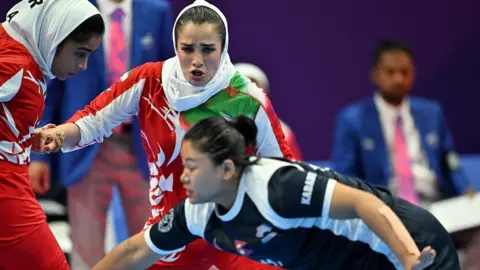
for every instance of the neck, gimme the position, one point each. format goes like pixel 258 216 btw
pixel 227 199
pixel 393 99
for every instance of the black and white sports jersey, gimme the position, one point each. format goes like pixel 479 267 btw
pixel 280 217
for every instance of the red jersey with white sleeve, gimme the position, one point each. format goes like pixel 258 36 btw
pixel 139 92
pixel 22 97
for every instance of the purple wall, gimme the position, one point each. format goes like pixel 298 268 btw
pixel 317 55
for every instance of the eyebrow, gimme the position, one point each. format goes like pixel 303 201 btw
pixel 203 44
pixel 190 160
pixel 85 49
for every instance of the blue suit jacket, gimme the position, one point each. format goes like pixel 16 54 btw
pixel 360 149
pixel 151 40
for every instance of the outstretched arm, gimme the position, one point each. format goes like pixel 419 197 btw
pixel 312 196
pixel 133 253
pixel 349 203
pixel 163 238
pixel 98 119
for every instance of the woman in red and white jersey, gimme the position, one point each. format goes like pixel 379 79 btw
pixel 168 97
pixel 40 40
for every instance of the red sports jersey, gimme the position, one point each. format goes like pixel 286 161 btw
pixel 22 97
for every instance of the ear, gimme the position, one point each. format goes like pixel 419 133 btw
pixel 227 169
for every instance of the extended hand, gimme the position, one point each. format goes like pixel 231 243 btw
pixel 422 260
pixel 47 139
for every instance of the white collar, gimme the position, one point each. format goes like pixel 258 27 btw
pixel 237 205
pixel 389 110
pixel 107 7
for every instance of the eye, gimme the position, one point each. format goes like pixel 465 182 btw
pixel 81 54
pixel 187 49
pixel 208 50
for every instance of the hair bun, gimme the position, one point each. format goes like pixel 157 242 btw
pixel 247 127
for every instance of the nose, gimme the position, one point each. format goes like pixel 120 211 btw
pixel 197 60
pixel 398 77
pixel 83 65
pixel 183 177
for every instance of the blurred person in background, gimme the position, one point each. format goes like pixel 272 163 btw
pixel 137 31
pixel 257 76
pixel 396 140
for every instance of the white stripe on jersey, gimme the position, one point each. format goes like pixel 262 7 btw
pixel 197 217
pixel 353 229
pixel 11 87
pixel 267 142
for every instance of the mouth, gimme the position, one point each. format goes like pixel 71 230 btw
pixel 197 74
pixel 189 193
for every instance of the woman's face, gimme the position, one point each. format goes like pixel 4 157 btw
pixel 72 57
pixel 199 48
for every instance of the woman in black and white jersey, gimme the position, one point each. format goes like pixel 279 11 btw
pixel 284 213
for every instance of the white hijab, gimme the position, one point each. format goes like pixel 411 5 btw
pixel 181 95
pixel 43 27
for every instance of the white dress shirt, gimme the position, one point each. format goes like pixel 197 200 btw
pixel 424 177
pixel 106 8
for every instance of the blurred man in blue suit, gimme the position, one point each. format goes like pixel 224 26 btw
pixel 401 142
pixel 137 31
pixel 395 140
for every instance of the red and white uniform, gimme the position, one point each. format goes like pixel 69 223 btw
pixel 140 93
pixel 22 220
pixel 28 41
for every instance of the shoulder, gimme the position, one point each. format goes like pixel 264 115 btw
pixel 148 72
pixel 353 111
pixel 14 57
pixel 273 180
pixel 154 5
pixel 426 104
pixel 285 190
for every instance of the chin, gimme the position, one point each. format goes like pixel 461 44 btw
pixel 61 77
pixel 196 83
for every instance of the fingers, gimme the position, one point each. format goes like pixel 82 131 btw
pixel 50 125
pixel 426 258
pixel 41 137
pixel 49 141
pixel 59 139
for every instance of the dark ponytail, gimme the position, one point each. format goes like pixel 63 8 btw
pixel 222 139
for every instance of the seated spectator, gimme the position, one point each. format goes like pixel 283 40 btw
pixel 398 141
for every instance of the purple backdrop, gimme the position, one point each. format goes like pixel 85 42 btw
pixel 318 54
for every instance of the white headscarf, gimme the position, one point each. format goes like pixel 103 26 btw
pixel 254 72
pixel 180 94
pixel 41 28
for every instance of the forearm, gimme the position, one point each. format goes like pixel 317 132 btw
pixel 133 253
pixel 386 224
